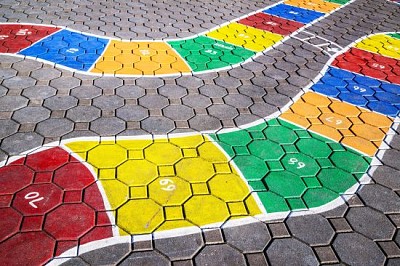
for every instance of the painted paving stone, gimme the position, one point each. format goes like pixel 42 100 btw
pixel 90 190
pixel 226 46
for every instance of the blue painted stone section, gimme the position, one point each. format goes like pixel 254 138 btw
pixel 293 13
pixel 373 94
pixel 71 49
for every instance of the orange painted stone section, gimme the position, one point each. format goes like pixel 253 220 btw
pixel 356 127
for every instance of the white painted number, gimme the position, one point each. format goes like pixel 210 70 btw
pixel 376 65
pixel 23 32
pixel 244 35
pixel 331 119
pixel 393 48
pixel 145 52
pixel 295 161
pixel 294 12
pixel 72 50
pixel 209 51
pixel 2 37
pixel 356 88
pixel 272 23
pixel 167 184
pixel 34 197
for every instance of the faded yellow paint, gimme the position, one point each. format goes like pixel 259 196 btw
pixel 381 44
pixel 350 125
pixel 316 5
pixel 140 58
pixel 151 185
pixel 248 37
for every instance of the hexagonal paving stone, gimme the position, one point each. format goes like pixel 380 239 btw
pixel 220 255
pixel 39 92
pixel 157 125
pixel 145 258
pixel 65 83
pixel 132 113
pixel 301 226
pixel 7 128
pixel 55 127
pixel 106 255
pixel 163 153
pixel 107 156
pixel 12 103
pixel 60 102
pixel 10 223
pixel 19 142
pixel 295 252
pixel 19 82
pixel 31 114
pixel 248 238
pixel 178 112
pixel 106 126
pixel 130 92
pixel 179 247
pixel 108 102
pixel 83 113
pixel 195 169
pixel 133 220
pixel 137 172
pixel 86 92
pixel 204 209
pixel 169 191
pixel 355 249
pixel 15 177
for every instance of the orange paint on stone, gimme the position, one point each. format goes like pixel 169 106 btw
pixel 140 58
pixel 316 5
pixel 342 122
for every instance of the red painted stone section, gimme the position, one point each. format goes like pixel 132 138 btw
pixel 369 64
pixel 14 38
pixel 49 203
pixel 271 23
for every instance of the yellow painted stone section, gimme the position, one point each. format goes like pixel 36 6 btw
pixel 356 127
pixel 248 37
pixel 140 58
pixel 381 44
pixel 316 5
pixel 166 189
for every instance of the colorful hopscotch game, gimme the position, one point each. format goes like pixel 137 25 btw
pixel 92 192
pixel 224 47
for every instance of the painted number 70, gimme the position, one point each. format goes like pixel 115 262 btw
pixel 33 197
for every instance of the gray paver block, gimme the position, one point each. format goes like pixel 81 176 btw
pixel 173 91
pixel 109 102
pixel 178 112
pixel 7 128
pixel 355 249
pixel 301 226
pixel 83 113
pixel 256 259
pixel 157 125
pixel 248 238
pixel 190 82
pixel 27 65
pixel 238 100
pixel 222 255
pixel 7 73
pixel 265 81
pixel 204 122
pixel 31 114
pixel 46 74
pixel 130 92
pixel 145 258
pixel 39 92
pixel 55 127
pixel 290 251
pixel 228 82
pixel 391 158
pixel 213 91
pixel 223 112
pixel 153 101
pixel 108 82
pixel 65 82
pixel 132 113
pixel 107 126
pixel 19 142
pixel 75 262
pixel 180 247
pixel 196 101
pixel 60 102
pixel 12 103
pixel 107 255
pixel 86 92
pixel 370 223
pixel 326 255
pixel 380 198
pixel 146 83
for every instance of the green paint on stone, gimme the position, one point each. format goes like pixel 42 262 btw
pixel 395 35
pixel 340 2
pixel 204 53
pixel 296 204
pixel 291 162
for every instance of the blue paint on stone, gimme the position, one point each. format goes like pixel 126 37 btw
pixel 71 49
pixel 370 93
pixel 294 13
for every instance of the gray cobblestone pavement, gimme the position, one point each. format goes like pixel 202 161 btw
pixel 40 104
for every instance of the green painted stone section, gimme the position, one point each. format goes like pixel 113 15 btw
pixel 204 53
pixel 395 35
pixel 291 168
pixel 340 2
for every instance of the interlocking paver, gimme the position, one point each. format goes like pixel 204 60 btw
pixel 84 106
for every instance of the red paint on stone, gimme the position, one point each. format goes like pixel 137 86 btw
pixel 271 23
pixel 369 64
pixel 73 196
pixel 73 176
pixel 63 246
pixel 14 38
pixel 47 160
pixel 91 197
pixel 5 200
pixel 43 177
pixel 32 223
pixel 96 234
pixel 70 221
pixel 14 178
pixel 38 199
pixel 9 223
pixel 31 248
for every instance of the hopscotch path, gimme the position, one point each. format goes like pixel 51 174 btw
pixel 94 192
pixel 223 47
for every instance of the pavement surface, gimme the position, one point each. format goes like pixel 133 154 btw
pixel 199 132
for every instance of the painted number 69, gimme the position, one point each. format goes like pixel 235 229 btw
pixel 167 184
pixel 295 161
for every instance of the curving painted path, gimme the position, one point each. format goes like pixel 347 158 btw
pixel 226 46
pixel 94 192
